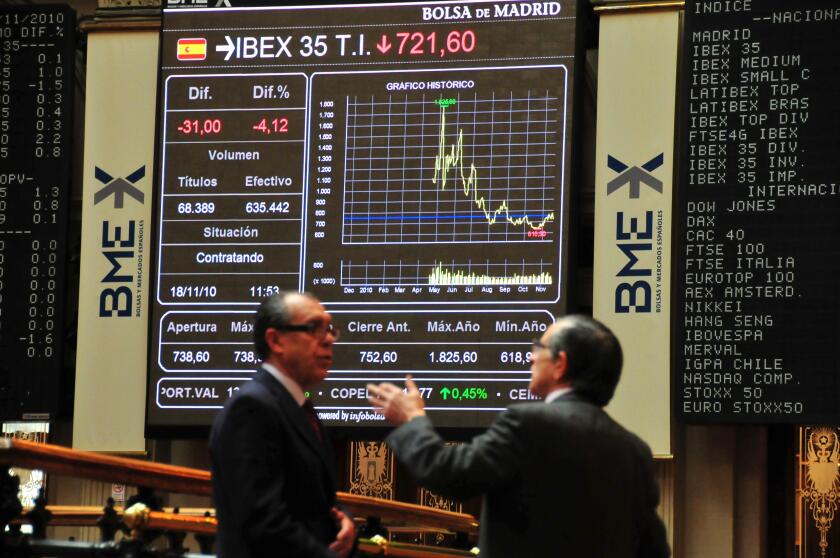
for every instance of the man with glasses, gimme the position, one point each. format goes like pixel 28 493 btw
pixel 273 466
pixel 559 477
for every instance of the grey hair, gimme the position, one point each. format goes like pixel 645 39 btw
pixel 593 354
pixel 272 312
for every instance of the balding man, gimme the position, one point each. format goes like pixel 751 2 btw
pixel 559 477
pixel 273 467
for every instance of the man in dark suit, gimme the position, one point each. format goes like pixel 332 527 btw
pixel 559 477
pixel 273 467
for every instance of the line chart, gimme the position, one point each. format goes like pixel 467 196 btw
pixel 443 186
pixel 425 169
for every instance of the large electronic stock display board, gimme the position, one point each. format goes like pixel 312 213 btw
pixel 757 313
pixel 37 67
pixel 407 163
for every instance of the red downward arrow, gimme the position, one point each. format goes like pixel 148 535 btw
pixel 384 45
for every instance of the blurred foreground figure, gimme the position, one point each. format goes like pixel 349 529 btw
pixel 559 477
pixel 273 468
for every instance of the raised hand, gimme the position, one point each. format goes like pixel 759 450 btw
pixel 398 406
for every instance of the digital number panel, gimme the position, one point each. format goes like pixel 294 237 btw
pixel 407 166
pixel 232 187
pixel 37 62
pixel 757 304
pixel 486 366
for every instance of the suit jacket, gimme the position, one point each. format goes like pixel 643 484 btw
pixel 558 479
pixel 273 480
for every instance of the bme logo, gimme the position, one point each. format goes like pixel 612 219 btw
pixel 634 234
pixel 118 242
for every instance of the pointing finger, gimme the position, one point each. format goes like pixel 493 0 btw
pixel 410 385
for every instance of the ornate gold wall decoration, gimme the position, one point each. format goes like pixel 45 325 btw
pixel 31 481
pixel 819 458
pixel 371 471
pixel 432 500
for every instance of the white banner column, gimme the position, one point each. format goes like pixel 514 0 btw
pixel 111 356
pixel 637 77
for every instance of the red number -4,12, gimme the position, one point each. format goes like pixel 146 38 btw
pixel 274 126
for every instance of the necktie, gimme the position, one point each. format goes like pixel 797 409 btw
pixel 309 409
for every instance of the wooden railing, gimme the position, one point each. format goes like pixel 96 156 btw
pixel 193 521
pixel 171 478
pixel 188 521
pixel 88 465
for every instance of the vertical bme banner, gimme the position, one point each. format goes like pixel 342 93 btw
pixel 37 65
pixel 633 180
pixel 116 212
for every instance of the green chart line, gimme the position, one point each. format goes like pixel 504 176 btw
pixel 452 157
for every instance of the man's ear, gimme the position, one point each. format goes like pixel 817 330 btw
pixel 561 363
pixel 273 340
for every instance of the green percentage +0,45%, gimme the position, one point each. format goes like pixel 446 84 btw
pixel 463 393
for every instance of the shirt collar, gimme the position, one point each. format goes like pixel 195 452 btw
pixel 291 386
pixel 557 393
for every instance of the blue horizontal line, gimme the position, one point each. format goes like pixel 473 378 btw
pixel 433 217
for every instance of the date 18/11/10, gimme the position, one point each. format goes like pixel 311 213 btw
pixel 210 291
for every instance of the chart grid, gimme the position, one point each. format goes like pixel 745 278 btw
pixel 422 169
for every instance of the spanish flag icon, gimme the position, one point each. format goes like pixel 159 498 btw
pixel 192 49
